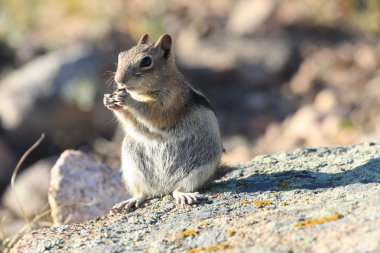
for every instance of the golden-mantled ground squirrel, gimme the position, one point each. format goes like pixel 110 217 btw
pixel 172 142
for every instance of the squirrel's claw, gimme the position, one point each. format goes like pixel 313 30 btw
pixel 128 204
pixel 186 198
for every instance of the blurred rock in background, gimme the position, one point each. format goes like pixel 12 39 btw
pixel 31 189
pixel 281 74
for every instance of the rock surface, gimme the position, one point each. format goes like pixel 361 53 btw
pixel 309 200
pixel 82 188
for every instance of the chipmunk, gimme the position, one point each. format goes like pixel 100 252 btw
pixel 172 142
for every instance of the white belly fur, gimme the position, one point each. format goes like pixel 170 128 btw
pixel 164 182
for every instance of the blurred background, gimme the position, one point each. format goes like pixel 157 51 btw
pixel 280 74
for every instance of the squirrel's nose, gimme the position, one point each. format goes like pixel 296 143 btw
pixel 122 76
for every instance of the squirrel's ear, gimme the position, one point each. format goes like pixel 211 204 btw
pixel 165 43
pixel 144 39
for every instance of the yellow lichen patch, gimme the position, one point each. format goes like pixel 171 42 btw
pixel 155 207
pixel 230 232
pixel 245 202
pixel 209 248
pixel 283 184
pixel 187 232
pixel 313 222
pixel 262 203
pixel 284 203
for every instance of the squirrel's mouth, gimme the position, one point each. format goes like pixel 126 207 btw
pixel 125 88
pixel 130 88
pixel 120 86
pixel 120 90
pixel 131 84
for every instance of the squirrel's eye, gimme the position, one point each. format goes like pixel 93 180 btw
pixel 146 62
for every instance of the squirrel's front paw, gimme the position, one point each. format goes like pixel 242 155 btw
pixel 110 102
pixel 121 97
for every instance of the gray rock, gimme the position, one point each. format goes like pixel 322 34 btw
pixel 308 200
pixel 59 94
pixel 82 189
pixel 43 77
pixel 31 188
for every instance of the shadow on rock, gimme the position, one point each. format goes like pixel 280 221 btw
pixel 297 179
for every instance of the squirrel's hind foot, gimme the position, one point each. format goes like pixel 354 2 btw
pixel 128 204
pixel 186 198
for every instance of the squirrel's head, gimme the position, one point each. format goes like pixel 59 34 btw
pixel 144 65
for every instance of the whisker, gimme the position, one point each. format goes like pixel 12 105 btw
pixel 109 82
pixel 109 77
pixel 109 72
